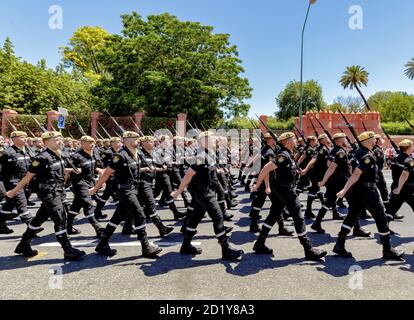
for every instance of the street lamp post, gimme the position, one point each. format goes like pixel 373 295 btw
pixel 311 2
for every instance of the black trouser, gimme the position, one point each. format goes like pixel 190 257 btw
pixel 314 192
pixel 383 189
pixel 202 202
pixel 110 191
pixel 259 198
pixel 397 200
pixel 146 199
pixel 2 192
pixel 163 184
pixel 368 198
pixel 302 183
pixel 281 198
pixel 19 202
pixel 82 200
pixel 332 188
pixel 52 207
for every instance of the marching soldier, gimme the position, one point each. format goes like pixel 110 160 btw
pixel 362 192
pixel 15 162
pixel 86 161
pixel 402 180
pixel 202 181
pixel 125 166
pixel 259 197
pixel 49 167
pixel 305 158
pixel 285 195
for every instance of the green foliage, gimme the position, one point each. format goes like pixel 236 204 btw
pixel 164 66
pixel 397 128
pixel 353 77
pixel 409 69
pixel 272 122
pixel 288 100
pixel 35 89
pixel 393 106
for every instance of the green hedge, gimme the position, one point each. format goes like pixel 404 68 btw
pixel 398 128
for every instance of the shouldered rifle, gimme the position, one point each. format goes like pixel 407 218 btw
pixel 104 130
pixel 80 127
pixel 11 124
pixel 270 132
pixel 409 123
pixel 42 128
pixel 99 135
pixel 347 138
pixel 301 135
pixel 136 127
pixel 363 125
pixel 391 141
pixel 314 129
pixel 30 131
pixel 116 122
pixel 324 130
pixel 350 127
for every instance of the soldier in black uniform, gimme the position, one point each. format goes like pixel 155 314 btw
pixel 50 168
pixel 362 192
pixel 316 169
pixel 283 186
pixel 2 189
pixel 259 197
pixel 110 188
pixel 145 191
pixel 163 159
pixel 86 161
pixel 126 170
pixel 305 158
pixel 402 180
pixel 201 178
pixel 15 161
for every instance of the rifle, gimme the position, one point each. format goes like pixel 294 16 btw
pixel 324 130
pixel 350 127
pixel 11 124
pixel 80 127
pixel 99 135
pixel 116 122
pixel 391 141
pixel 268 130
pixel 256 128
pixel 363 125
pixel 42 128
pixel 30 131
pixel 347 138
pixel 301 135
pixel 104 130
pixel 409 123
pixel 314 129
pixel 136 126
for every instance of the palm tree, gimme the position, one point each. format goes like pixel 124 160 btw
pixel 409 72
pixel 355 77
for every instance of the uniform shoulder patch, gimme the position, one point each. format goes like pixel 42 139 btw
pixel 116 159
pixel 35 163
pixel 367 160
pixel 281 159
pixel 411 163
pixel 340 154
pixel 322 151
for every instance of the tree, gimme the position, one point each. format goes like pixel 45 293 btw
pixel 288 100
pixel 409 71
pixel 84 49
pixel 164 66
pixel 347 104
pixel 393 106
pixel 354 77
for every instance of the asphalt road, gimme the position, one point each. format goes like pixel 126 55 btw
pixel 286 275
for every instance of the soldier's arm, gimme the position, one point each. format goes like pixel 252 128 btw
pixel 24 182
pixel 403 179
pixel 303 156
pixel 104 177
pixel 354 179
pixel 308 167
pixel 184 184
pixel 328 173
pixel 265 173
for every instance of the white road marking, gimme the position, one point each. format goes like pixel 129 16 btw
pixel 93 244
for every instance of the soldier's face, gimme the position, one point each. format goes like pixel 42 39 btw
pixel 116 145
pixel 131 143
pixel 148 144
pixel 55 143
pixel 20 141
pixel 88 146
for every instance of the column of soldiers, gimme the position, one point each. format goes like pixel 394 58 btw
pixel 134 170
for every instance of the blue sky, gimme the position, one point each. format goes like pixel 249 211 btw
pixel 267 33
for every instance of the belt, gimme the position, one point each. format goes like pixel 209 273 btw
pixel 47 185
pixel 368 185
pixel 125 186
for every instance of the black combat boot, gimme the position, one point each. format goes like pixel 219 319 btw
pixel 361 232
pixel 163 230
pixel 339 248
pixel 340 203
pixel 317 226
pixel 254 226
pixel 389 253
pixel 127 229
pixel 4 229
pixel 149 250
pixel 230 203
pixel 312 253
pixel 70 253
pixel 228 252
pixel 98 210
pixel 337 216
pixel 178 215
pixel 187 248
pixel 309 214
pixel 70 228
pixel 283 230
pixel 104 249
pixel 259 246
pixel 24 247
